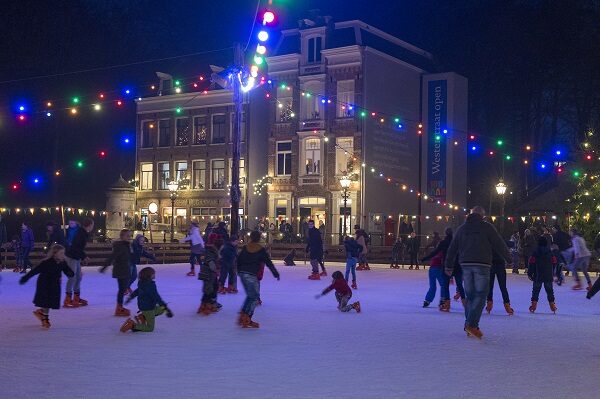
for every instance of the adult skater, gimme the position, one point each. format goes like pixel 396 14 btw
pixel 27 244
pixel 562 240
pixel 75 255
pixel 474 243
pixel 581 261
pixel 362 237
pixel 197 247
pixel 314 247
pixel 414 245
pixel 498 272
pixel 436 273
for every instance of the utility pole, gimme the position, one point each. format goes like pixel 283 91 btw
pixel 238 99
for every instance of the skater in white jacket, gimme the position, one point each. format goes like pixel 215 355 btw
pixel 581 261
pixel 197 247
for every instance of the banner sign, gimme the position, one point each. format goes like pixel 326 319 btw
pixel 437 111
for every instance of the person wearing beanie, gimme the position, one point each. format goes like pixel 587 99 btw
pixel 541 265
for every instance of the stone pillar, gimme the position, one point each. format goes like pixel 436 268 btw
pixel 120 208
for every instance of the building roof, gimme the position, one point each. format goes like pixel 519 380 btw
pixel 121 184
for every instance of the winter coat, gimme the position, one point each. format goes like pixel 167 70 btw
pixel 56 237
pixel 541 265
pixel 353 249
pixel 196 240
pixel 120 259
pixel 27 240
pixel 474 243
pixel 340 286
pixel 138 252
pixel 147 296
pixel 562 240
pixel 360 240
pixel 228 253
pixel 580 248
pixel 413 245
pixel 77 248
pixel 438 255
pixel 252 255
pixel 529 245
pixel 314 245
pixel 47 292
pixel 71 232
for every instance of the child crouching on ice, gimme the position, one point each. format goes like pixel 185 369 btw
pixel 47 293
pixel 149 302
pixel 343 293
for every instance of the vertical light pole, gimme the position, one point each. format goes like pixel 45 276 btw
pixel 173 187
pixel 345 182
pixel 501 190
pixel 238 97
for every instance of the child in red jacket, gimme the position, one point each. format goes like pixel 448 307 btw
pixel 343 293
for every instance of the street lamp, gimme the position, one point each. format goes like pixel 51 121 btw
pixel 501 190
pixel 173 186
pixel 345 182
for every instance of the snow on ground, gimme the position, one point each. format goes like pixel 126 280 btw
pixel 305 348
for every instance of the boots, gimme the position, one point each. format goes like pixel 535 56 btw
pixel 191 273
pixel 508 309
pixel 356 306
pixel 354 286
pixel 222 290
pixel 589 286
pixel 445 305
pixel 79 301
pixel 120 311
pixel 39 314
pixel 69 303
pixel 361 266
pixel 577 286
pixel 553 307
pixel 473 332
pixel 127 326
pixel 489 306
pixel 45 321
pixel 323 274
pixel 533 306
pixel 246 321
pixel 367 267
pixel 314 276
pixel 232 289
pixel 426 304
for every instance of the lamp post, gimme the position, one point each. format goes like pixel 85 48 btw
pixel 501 190
pixel 152 209
pixel 173 188
pixel 345 182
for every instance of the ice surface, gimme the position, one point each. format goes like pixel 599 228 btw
pixel 305 348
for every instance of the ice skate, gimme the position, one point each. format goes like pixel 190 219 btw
pixel 473 332
pixel 127 326
pixel 222 290
pixel 456 296
pixel 417 267
pixel 232 290
pixel 323 274
pixel 120 311
pixel 488 307
pixel 356 306
pixel 367 267
pixel 533 306
pixel 445 305
pixel 589 287
pixel 510 311
pixel 205 309
pixel 361 266
pixel 38 313
pixel 577 286
pixel 45 322
pixel 246 322
pixel 354 286
pixel 79 301
pixel 69 303
pixel 426 304
pixel 191 273
pixel 314 276
pixel 410 267
pixel 553 307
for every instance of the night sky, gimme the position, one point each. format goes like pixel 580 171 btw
pixel 508 50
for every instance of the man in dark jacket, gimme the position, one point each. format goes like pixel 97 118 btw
pixel 249 263
pixel 475 243
pixel 314 247
pixel 75 255
pixel 562 240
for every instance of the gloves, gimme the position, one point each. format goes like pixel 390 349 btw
pixel 168 312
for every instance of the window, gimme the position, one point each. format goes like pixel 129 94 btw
pixel 314 49
pixel 199 175
pixel 181 172
pixel 164 133
pixel 217 167
pixel 146 172
pixel 200 130
pixel 312 156
pixel 182 131
pixel 204 212
pixel 218 129
pixel 312 107
pixel 345 98
pixel 243 132
pixel 164 175
pixel 147 131
pixel 343 154
pixel 285 103
pixel 284 158
pixel 242 172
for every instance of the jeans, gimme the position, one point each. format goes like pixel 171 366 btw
pixel 195 258
pixel 134 273
pixel 436 274
pixel 123 285
pixel 477 281
pixel 343 302
pixel 150 316
pixel 351 267
pixel 581 264
pixel 252 288
pixel 74 283
pixel 209 289
pixel 25 257
pixel 498 272
pixel 228 271
pixel 314 263
pixel 537 286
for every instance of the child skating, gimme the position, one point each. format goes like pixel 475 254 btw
pixel 120 259
pixel 541 265
pixel 209 270
pixel 227 256
pixel 150 303
pixel 343 293
pixel 139 252
pixel 47 293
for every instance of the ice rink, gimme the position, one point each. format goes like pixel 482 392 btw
pixel 305 348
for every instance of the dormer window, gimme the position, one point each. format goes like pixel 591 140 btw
pixel 315 45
